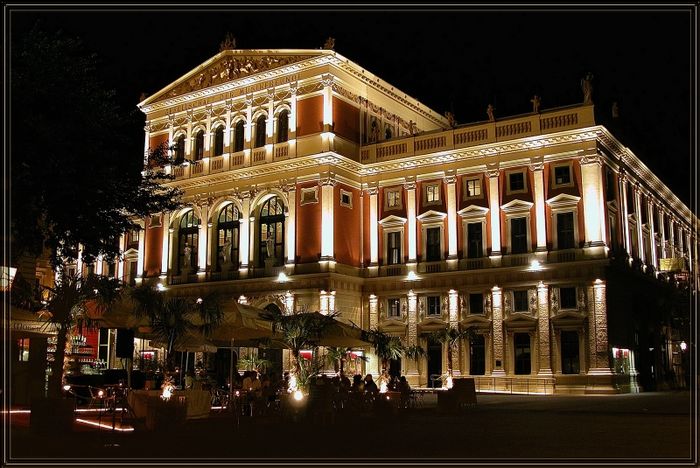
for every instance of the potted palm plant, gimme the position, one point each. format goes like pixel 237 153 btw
pixel 386 347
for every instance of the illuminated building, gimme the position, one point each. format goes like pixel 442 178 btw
pixel 376 207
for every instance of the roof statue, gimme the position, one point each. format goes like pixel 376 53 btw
pixel 615 110
pixel 229 42
pixel 489 112
pixel 329 44
pixel 587 88
pixel 535 104
pixel 451 119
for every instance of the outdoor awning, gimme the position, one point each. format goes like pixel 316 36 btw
pixel 240 323
pixel 341 334
pixel 25 321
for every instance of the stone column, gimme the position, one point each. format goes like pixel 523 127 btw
pixel 495 209
pixel 672 237
pixel 545 357
pixel 498 345
pixel 171 134
pixel 598 359
pixel 207 135
pixel 140 273
pixel 165 251
pixel 327 81
pixel 120 265
pixel 373 226
pixel 662 232
pixel 652 238
pixel 450 181
pixel 202 247
pixel 147 142
pixel 453 308
pixel 212 251
pixel 291 223
pixel 244 235
pixel 593 203
pixel 327 202
pixel 623 210
pixel 373 366
pixel 293 111
pixel 188 140
pixel 98 265
pixel 173 253
pixel 537 167
pixel 640 236
pixel 270 127
pixel 410 187
pixel 227 129
pixel 412 337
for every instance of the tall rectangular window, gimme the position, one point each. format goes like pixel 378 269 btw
pixel 103 345
pixel 477 356
pixel 473 188
pixel 475 248
pixel 518 235
pixel 522 353
pixel 393 248
pixel 433 305
pixel 394 308
pixel 516 181
pixel 567 298
pixel 476 303
pixel 562 175
pixel 520 301
pixel 565 230
pixel 432 244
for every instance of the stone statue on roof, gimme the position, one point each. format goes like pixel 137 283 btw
pixel 329 44
pixel 229 42
pixel 451 119
pixel 535 104
pixel 489 112
pixel 587 88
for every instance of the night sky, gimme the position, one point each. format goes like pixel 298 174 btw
pixel 459 60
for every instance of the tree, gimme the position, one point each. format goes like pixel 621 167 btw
pixel 77 167
pixel 450 336
pixel 386 347
pixel 173 318
pixel 300 330
pixel 72 303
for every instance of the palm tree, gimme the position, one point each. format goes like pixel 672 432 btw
pixel 71 303
pixel 386 347
pixel 300 330
pixel 255 363
pixel 172 318
pixel 450 336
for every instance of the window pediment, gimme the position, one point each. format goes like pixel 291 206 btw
pixel 563 200
pixel 473 211
pixel 392 221
pixel 517 206
pixel 431 216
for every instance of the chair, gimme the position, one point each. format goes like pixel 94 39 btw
pixel 98 398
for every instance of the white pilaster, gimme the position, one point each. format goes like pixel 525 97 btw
pixel 498 347
pixel 270 124
pixel 640 237
pixel 146 143
pixel 140 273
pixel 188 140
pixel 593 204
pixel 625 219
pixel 662 232
pixel 495 209
pixel 545 356
pixel 203 238
pixel 227 130
pixel 450 181
pixel 293 112
pixel 244 237
pixel 373 227
pixel 652 247
pixel 410 187
pixel 120 265
pixel 327 202
pixel 291 224
pixel 540 221
pixel 165 251
pixel 207 136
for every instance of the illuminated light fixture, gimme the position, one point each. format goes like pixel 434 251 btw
pixel 7 276
pixel 199 300
pixel 242 299
pixel 412 276
pixel 535 265
pixel 66 387
pixel 298 396
pixel 683 345
pixel 104 426
pixel 598 281
pixel 101 393
pixel 160 287
pixel 282 277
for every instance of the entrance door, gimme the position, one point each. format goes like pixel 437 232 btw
pixel 477 356
pixel 522 353
pixel 434 363
pixel 395 367
pixel 569 352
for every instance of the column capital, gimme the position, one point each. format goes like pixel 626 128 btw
pixel 409 183
pixel 293 88
pixel 271 94
pixel 372 188
pixel 592 159
pixel 537 163
pixel 209 110
pixel 492 170
pixel 327 80
pixel 450 179
pixel 248 100
pixel 171 120
pixel 228 105
pixel 327 178
pixel 190 115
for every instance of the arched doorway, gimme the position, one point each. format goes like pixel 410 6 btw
pixel 188 242
pixel 271 226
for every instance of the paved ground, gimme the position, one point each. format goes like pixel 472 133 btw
pixel 638 429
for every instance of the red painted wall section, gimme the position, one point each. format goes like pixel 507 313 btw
pixel 157 140
pixel 346 120
pixel 153 249
pixel 310 116
pixel 346 227
pixel 308 227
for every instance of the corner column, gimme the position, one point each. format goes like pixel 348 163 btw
pixel 373 367
pixel 623 211
pixel 593 204
pixel 545 356
pixel 412 337
pixel 495 209
pixel 140 273
pixel 640 236
pixel 450 181
pixel 652 237
pixel 410 187
pixel 202 247
pixel 598 359
pixel 291 223
pixel 244 238
pixel 373 227
pixel 497 312
pixel 165 252
pixel 327 190
pixel 537 167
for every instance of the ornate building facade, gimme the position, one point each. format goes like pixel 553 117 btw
pixel 310 183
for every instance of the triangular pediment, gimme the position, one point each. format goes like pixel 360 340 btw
pixel 563 200
pixel 516 205
pixel 473 211
pixel 392 221
pixel 230 66
pixel 431 216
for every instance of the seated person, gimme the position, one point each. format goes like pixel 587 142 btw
pixel 370 386
pixel 358 386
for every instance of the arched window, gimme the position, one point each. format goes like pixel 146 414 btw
pixel 199 145
pixel 260 132
pixel 271 226
pixel 283 126
pixel 180 149
pixel 239 135
pixel 219 141
pixel 188 241
pixel 227 237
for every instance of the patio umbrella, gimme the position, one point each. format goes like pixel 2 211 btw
pixel 341 334
pixel 242 324
pixel 191 343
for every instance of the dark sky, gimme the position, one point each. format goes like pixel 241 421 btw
pixel 459 60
